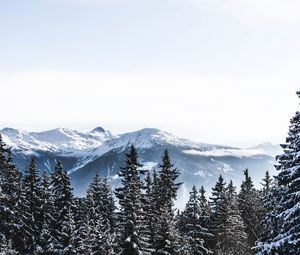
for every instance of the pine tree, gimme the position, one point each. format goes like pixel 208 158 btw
pixel 11 198
pixel 270 223
pixel 251 208
pixel 167 242
pixel 287 239
pixel 167 184
pixel 205 215
pixel 107 208
pixel 63 208
pixel 267 183
pixel 194 230
pixel 99 222
pixel 219 214
pixel 6 248
pixel 67 237
pixel 133 242
pixel 235 236
pixel 32 215
pixel 167 236
pixel 149 207
pixel 46 240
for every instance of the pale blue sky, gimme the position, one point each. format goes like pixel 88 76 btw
pixel 210 48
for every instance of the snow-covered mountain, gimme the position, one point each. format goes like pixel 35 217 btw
pixel 84 153
pixel 59 140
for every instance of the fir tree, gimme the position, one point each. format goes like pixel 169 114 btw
pixel 100 217
pixel 194 230
pixel 6 248
pixel 107 208
pixel 250 206
pixel 235 236
pixel 167 236
pixel 267 183
pixel 167 184
pixel 167 242
pixel 219 214
pixel 63 208
pixel 287 239
pixel 11 199
pixel 46 240
pixel 149 207
pixel 133 242
pixel 32 214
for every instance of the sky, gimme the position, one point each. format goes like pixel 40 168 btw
pixel 213 71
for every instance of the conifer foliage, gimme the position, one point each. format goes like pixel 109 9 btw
pixel 283 213
pixel 39 214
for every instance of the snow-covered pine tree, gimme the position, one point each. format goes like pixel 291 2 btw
pixel 235 236
pixel 267 183
pixel 108 207
pixel 99 217
pixel 63 208
pixel 218 204
pixel 270 223
pixel 82 240
pixel 6 248
pixel 167 184
pixel 205 217
pixel 132 215
pixel 11 198
pixel 67 237
pixel 251 208
pixel 46 240
pixel 167 236
pixel 149 208
pixel 32 215
pixel 287 212
pixel 194 230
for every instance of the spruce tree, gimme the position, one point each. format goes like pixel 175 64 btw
pixel 235 236
pixel 11 199
pixel 267 183
pixel 99 217
pixel 167 184
pixel 63 208
pixel 32 215
pixel 132 216
pixel 149 207
pixel 6 248
pixel 287 239
pixel 167 236
pixel 46 240
pixel 107 207
pixel 251 208
pixel 194 230
pixel 219 214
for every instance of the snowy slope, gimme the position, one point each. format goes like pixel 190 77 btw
pixel 59 140
pixel 85 153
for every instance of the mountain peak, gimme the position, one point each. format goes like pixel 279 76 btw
pixel 98 130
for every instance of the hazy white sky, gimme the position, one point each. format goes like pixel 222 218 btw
pixel 210 70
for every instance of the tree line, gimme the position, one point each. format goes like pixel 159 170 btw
pixel 40 214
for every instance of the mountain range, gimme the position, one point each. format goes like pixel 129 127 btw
pixel 85 153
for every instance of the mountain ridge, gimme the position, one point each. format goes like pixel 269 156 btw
pixel 85 153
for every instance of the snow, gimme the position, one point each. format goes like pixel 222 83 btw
pixel 87 146
pixel 56 140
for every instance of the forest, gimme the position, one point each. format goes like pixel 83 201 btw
pixel 39 213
